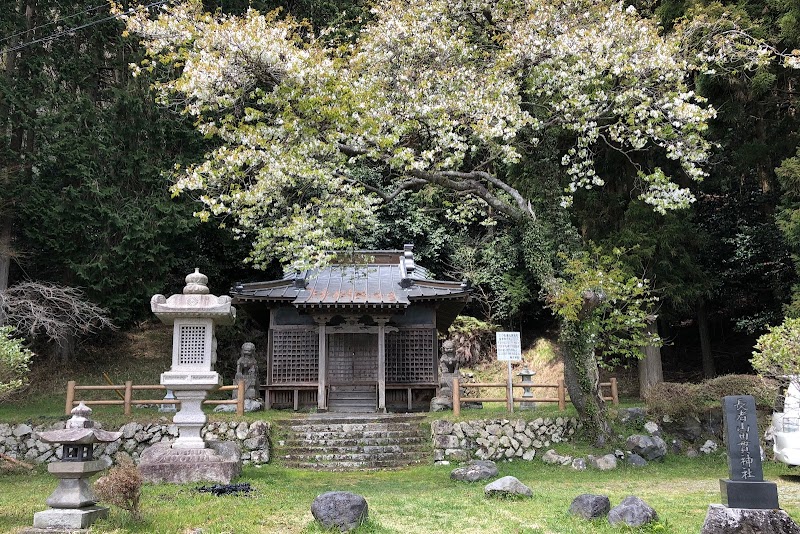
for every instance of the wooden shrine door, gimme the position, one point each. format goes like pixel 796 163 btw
pixel 352 358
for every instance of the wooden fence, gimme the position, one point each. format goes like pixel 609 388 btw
pixel 125 394
pixel 509 399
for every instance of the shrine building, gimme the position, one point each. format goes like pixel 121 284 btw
pixel 359 335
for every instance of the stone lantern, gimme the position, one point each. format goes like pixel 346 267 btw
pixel 193 316
pixel 72 504
pixel 527 375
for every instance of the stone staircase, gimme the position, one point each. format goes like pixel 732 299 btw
pixel 343 442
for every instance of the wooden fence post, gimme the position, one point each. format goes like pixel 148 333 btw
pixel 562 395
pixel 240 398
pixel 70 397
pixel 128 396
pixel 614 395
pixel 456 398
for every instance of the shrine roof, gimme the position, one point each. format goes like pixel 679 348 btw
pixel 388 279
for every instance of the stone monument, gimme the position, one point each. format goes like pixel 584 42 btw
pixel 749 502
pixel 73 503
pixel 746 487
pixel 193 315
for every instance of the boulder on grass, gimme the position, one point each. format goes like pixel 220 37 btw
pixel 633 512
pixel 340 509
pixel 474 471
pixel 648 447
pixel 723 520
pixel 606 462
pixel 507 487
pixel 590 506
pixel 635 460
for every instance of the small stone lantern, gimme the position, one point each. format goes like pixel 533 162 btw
pixel 72 504
pixel 527 393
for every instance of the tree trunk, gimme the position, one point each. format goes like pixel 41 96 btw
pixel 705 340
pixel 66 347
pixel 16 135
pixel 582 378
pixel 650 371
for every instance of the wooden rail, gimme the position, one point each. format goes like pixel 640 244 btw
pixel 509 399
pixel 127 397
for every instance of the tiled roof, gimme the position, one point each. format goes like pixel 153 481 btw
pixel 386 285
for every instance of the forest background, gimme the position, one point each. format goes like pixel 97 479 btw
pixel 87 155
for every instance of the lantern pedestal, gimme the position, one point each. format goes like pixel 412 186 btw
pixel 220 462
pixel 191 389
pixel 74 489
pixel 70 520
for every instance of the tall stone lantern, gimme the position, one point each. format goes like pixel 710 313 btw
pixel 193 314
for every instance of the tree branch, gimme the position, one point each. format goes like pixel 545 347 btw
pixel 460 182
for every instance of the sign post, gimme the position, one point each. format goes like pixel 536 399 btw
pixel 509 349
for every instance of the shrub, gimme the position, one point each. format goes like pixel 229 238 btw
pixel 14 362
pixel 777 352
pixel 677 399
pixel 763 390
pixel 122 487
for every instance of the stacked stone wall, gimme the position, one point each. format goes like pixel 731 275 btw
pixel 21 441
pixel 498 439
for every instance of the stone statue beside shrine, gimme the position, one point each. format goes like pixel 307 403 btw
pixel 247 370
pixel 448 364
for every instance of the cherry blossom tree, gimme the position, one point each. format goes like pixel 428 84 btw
pixel 448 93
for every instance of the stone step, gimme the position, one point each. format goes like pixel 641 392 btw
pixel 369 432
pixel 359 449
pixel 362 457
pixel 342 442
pixel 350 466
pixel 354 442
pixel 329 418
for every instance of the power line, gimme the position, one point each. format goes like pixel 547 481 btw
pixel 54 36
pixel 62 19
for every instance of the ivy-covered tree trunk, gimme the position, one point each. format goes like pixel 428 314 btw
pixel 582 378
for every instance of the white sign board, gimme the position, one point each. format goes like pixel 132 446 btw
pixel 509 347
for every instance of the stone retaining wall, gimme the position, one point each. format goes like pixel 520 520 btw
pixel 21 441
pixel 498 439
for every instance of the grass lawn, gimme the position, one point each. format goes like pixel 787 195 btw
pixel 421 499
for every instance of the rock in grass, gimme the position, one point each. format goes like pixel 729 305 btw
pixel 723 520
pixel 590 506
pixel 340 509
pixel 635 460
pixel 603 463
pixel 648 447
pixel 474 471
pixel 507 487
pixel 633 512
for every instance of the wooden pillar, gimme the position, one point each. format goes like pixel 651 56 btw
pixel 322 380
pixel 382 363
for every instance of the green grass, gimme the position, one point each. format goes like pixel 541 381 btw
pixel 421 499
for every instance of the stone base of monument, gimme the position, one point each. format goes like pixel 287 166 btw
pixel 723 520
pixel 66 519
pixel 221 462
pixel 760 495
